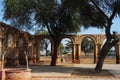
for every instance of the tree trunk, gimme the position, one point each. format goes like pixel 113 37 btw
pixel 54 55
pixel 102 55
pixel 104 51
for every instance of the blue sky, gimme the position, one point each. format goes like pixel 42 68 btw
pixel 115 26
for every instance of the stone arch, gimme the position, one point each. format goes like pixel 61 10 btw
pixel 77 46
pixel 69 37
pixel 88 36
pixel 68 57
pixel 85 56
pixel 45 55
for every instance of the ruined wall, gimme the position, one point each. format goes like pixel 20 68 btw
pixel 13 43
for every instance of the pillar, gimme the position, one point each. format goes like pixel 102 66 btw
pixel 76 53
pixel 73 53
pixel 118 54
pixel 97 52
pixel 79 52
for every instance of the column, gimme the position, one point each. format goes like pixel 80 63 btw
pixel 79 52
pixel 97 52
pixel 73 53
pixel 76 53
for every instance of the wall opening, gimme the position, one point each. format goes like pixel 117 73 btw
pixel 45 51
pixel 66 51
pixel 87 50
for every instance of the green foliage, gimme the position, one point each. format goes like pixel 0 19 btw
pixel 41 32
pixel 27 13
pixel 44 45
pixel 19 12
pixel 87 45
pixel 65 49
pixel 62 48
pixel 68 46
pixel 94 13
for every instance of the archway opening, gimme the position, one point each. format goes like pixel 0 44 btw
pixel 66 51
pixel 45 51
pixel 87 50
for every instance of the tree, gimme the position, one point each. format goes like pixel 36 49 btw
pixel 41 31
pixel 68 46
pixel 100 14
pixel 62 49
pixel 45 42
pixel 44 45
pixel 47 13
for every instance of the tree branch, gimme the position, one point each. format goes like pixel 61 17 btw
pixel 97 7
pixel 113 14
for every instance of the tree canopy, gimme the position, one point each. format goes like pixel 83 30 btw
pixel 94 13
pixel 28 13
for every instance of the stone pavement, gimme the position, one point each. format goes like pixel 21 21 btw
pixel 63 72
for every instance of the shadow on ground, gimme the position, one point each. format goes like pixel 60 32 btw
pixel 74 71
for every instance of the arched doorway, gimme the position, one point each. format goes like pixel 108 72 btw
pixel 66 50
pixel 87 50
pixel 45 51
